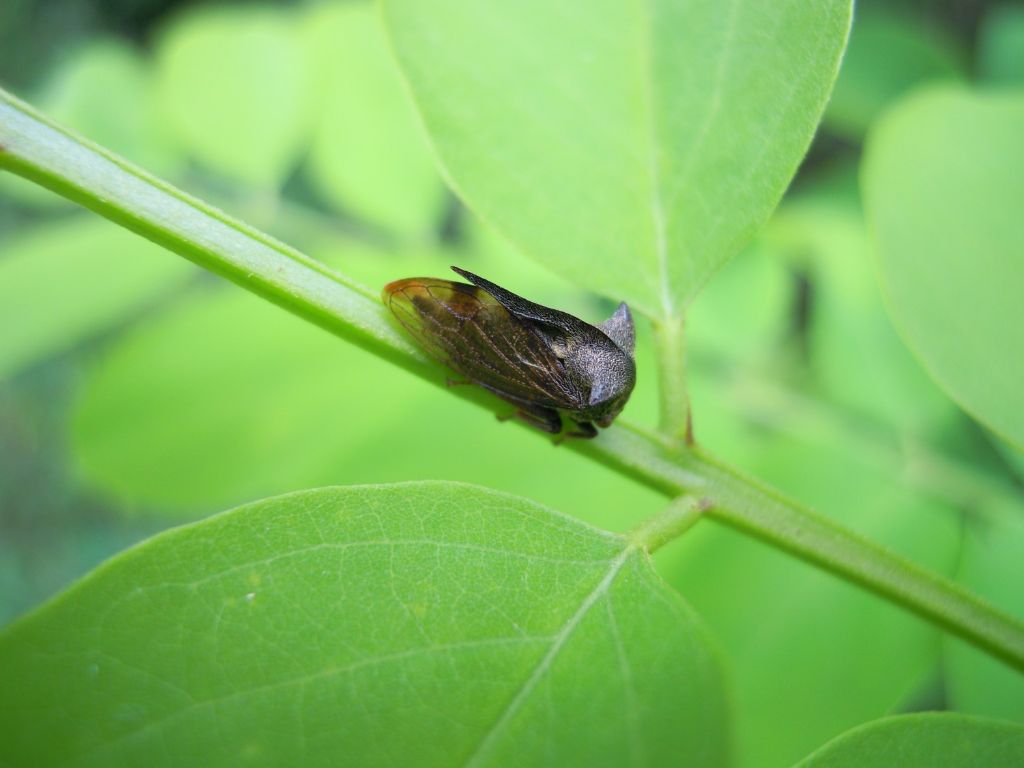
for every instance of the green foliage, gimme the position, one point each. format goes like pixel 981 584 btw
pixel 567 128
pixel 827 240
pixel 760 282
pixel 633 147
pixel 73 281
pixel 796 637
pixel 943 178
pixel 1001 46
pixel 104 90
pixel 368 156
pixel 287 630
pixel 991 565
pixel 235 85
pixel 888 56
pixel 924 741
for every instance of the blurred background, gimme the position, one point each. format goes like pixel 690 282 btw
pixel 138 393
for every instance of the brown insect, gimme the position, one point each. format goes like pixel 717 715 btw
pixel 563 374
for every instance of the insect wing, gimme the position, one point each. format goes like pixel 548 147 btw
pixel 470 332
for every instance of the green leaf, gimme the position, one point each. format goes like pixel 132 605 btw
pixel 633 147
pixel 420 624
pixel 943 179
pixel 1001 46
pixel 990 565
pixel 369 156
pixel 889 54
pixel 235 87
pixel 72 279
pixel 924 741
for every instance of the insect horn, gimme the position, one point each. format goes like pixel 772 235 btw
pixel 619 328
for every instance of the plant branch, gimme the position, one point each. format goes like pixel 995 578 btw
pixel 750 507
pixel 48 155
pixel 669 524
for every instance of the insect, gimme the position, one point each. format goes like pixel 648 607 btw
pixel 562 374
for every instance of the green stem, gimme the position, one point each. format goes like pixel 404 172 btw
pixel 670 346
pixel 750 507
pixel 44 153
pixel 669 524
pixel 38 150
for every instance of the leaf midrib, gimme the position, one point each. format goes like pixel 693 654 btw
pixel 555 642
pixel 660 237
pixel 546 661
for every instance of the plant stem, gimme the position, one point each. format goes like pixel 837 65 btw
pixel 42 152
pixel 38 150
pixel 670 347
pixel 669 524
pixel 750 507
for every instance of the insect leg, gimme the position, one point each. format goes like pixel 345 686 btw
pixel 544 419
pixel 583 429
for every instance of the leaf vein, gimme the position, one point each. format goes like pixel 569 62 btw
pixel 302 681
pixel 546 662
